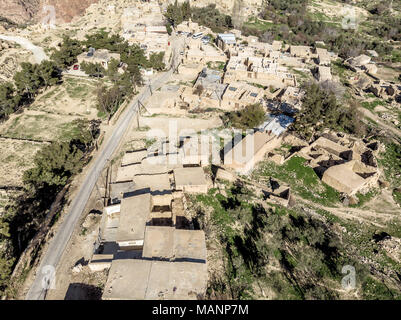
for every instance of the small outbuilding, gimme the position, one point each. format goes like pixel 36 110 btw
pixel 134 214
pixel 190 180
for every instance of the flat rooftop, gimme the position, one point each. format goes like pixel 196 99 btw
pixel 135 279
pixel 329 146
pixel 118 189
pixel 174 244
pixel 133 157
pixel 128 173
pixel 134 214
pixel 191 176
pixel 342 178
pixel 245 150
pixel 158 183
pixel 276 124
pixel 189 245
pixel 158 242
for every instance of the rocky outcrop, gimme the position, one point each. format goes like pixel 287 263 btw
pixel 19 11
pixel 66 10
pixel 22 11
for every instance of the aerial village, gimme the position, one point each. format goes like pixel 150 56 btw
pixel 145 239
pixel 146 244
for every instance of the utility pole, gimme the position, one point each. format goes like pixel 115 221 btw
pixel 137 115
pixel 106 186
pixel 98 191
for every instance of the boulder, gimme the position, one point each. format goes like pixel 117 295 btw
pixel 353 200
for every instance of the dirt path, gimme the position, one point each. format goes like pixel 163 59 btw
pixel 362 215
pixel 368 113
pixel 38 52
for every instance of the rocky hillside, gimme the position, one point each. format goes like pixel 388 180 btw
pixel 19 11
pixel 22 11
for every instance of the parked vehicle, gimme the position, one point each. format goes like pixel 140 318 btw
pixel 197 35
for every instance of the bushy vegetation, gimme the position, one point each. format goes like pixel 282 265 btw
pixel 288 253
pixel 321 109
pixel 124 84
pixel 376 290
pixel 294 24
pixel 208 16
pixel 54 165
pixel 302 179
pixel 156 61
pixel 57 163
pixel 66 53
pixel 109 99
pixel 247 118
pixel 93 69
pixel 386 25
pixel 304 248
pixel 390 160
pixel 27 84
pixel 211 17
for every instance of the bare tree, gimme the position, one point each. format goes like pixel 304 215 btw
pixel 333 87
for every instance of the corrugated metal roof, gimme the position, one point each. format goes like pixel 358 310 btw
pixel 227 37
pixel 276 124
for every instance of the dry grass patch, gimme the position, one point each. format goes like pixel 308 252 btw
pixel 15 158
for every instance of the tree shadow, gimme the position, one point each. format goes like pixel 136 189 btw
pixel 82 291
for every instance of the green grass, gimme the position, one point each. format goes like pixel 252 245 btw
pixel 220 216
pixel 372 122
pixel 255 23
pixel 102 115
pixel 283 149
pixel 395 56
pixel 68 131
pixel 77 89
pixel 303 76
pixel 29 126
pixel 376 290
pixel 257 85
pixel 48 95
pixel 338 68
pixel 390 160
pixel 242 247
pixel 149 142
pixel 217 65
pixel 373 104
pixel 320 16
pixel 142 128
pixel 364 198
pixel 397 197
pixel 302 179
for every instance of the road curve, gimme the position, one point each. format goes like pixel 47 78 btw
pixel 38 52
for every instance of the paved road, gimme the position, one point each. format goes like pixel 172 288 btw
pixel 38 52
pixel 58 244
